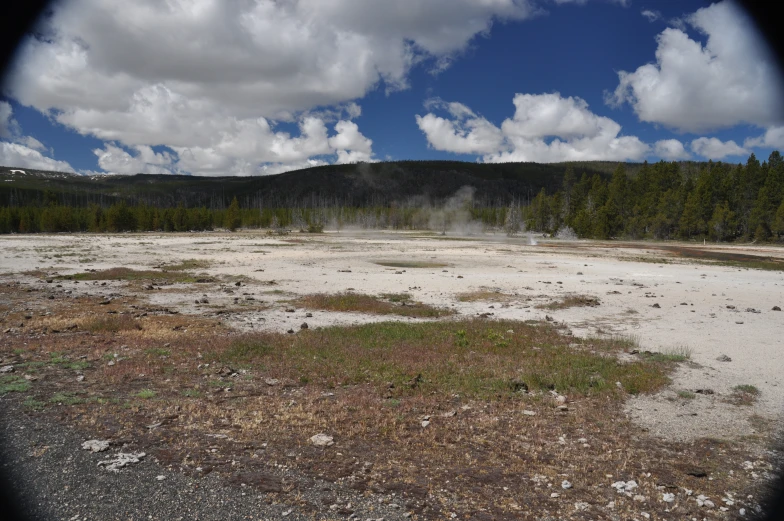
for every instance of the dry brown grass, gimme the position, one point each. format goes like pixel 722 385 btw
pixel 361 303
pixel 485 294
pixel 480 454
pixel 571 301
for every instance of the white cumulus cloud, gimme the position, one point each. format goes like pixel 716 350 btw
pixel 670 149
pixel 545 128
pixel 651 15
pixel 773 138
pixel 714 148
pixel 732 79
pixel 209 78
pixel 23 151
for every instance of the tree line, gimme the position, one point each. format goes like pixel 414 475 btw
pixel 717 201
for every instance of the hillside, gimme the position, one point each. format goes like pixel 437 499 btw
pixel 349 185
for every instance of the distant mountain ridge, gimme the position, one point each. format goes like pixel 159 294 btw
pixel 360 184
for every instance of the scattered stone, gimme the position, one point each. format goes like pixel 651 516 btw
pixel 529 413
pixel 304 325
pixel 425 423
pixel 110 363
pixel 290 331
pixel 668 497
pixel 308 315
pixel 640 498
pixel 238 284
pixel 562 408
pixel 548 318
pixel 560 399
pixel 729 306
pixel 459 276
pixel 579 272
pixel 566 485
pixel 7 369
pixel 776 308
pixel 122 459
pixel 80 378
pixel 322 440
pixel 704 391
pixel 656 305
pixel 739 322
pixel 160 477
pixel 624 486
pixel 449 414
pixel 95 445
pixel 724 358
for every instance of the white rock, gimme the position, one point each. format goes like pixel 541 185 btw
pixel 555 494
pixel 742 511
pixel 160 477
pixel 640 498
pixel 566 485
pixel 95 445
pixel 425 423
pixel 7 369
pixel 122 459
pixel 529 413
pixel 668 497
pixel 322 440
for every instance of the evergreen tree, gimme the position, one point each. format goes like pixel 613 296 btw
pixel 232 219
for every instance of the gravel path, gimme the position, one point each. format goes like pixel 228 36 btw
pixel 57 480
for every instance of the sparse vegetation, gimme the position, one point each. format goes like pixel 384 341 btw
pixel 411 264
pixel 112 324
pixel 146 394
pixel 745 394
pixel 484 294
pixel 13 384
pixel 360 303
pixel 129 274
pixel 571 301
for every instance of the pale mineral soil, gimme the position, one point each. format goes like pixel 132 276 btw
pixel 628 279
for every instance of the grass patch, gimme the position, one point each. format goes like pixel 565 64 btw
pixel 146 394
pixel 112 324
pixel 472 358
pixel 677 354
pixel 358 302
pixel 13 384
pixel 411 264
pixel 743 395
pixel 192 393
pixel 396 297
pixel 131 275
pixel 188 264
pixel 158 351
pixel 64 398
pixel 571 301
pixel 746 388
pixel 32 403
pixel 483 294
pixel 686 395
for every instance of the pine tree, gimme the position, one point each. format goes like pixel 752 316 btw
pixel 232 219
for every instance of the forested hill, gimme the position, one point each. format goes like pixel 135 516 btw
pixel 356 185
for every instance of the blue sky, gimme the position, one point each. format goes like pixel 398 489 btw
pixel 208 88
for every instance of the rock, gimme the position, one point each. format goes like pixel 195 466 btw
pixel 7 369
pixel 579 272
pixel 238 284
pixel 304 325
pixel 776 308
pixel 322 440
pixel 449 414
pixel 566 485
pixel 704 391
pixel 289 310
pixel 271 381
pixel 80 378
pixel 548 318
pixel 739 322
pixel 668 497
pixel 560 399
pixel 562 408
pixel 308 315
pixel 529 413
pixel 110 363
pixel 724 358
pixel 730 307
pixel 290 331
pixel 459 276
pixel 160 477
pixel 122 459
pixel 656 305
pixel 95 445
pixel 425 423
pixel 640 498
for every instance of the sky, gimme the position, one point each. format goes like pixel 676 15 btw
pixel 258 87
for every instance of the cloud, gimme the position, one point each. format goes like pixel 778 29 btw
pixel 18 155
pixel 545 128
pixel 714 148
pixel 652 16
pixel 732 79
pixel 198 76
pixel 467 133
pixel 670 149
pixel 115 160
pixel 773 138
pixel 23 151
pixel 8 125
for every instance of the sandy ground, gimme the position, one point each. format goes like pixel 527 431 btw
pixel 628 278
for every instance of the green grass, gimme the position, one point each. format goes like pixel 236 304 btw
pixel 358 302
pixel 64 398
pixel 13 384
pixel 32 403
pixel 748 389
pixel 677 354
pixel 686 395
pixel 158 351
pixel 411 264
pixel 396 297
pixel 146 394
pixel 191 393
pixel 473 358
pixel 571 301
pixel 479 295
pixel 187 264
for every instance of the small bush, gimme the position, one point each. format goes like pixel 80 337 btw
pixel 146 394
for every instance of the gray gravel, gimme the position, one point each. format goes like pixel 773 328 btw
pixel 56 479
